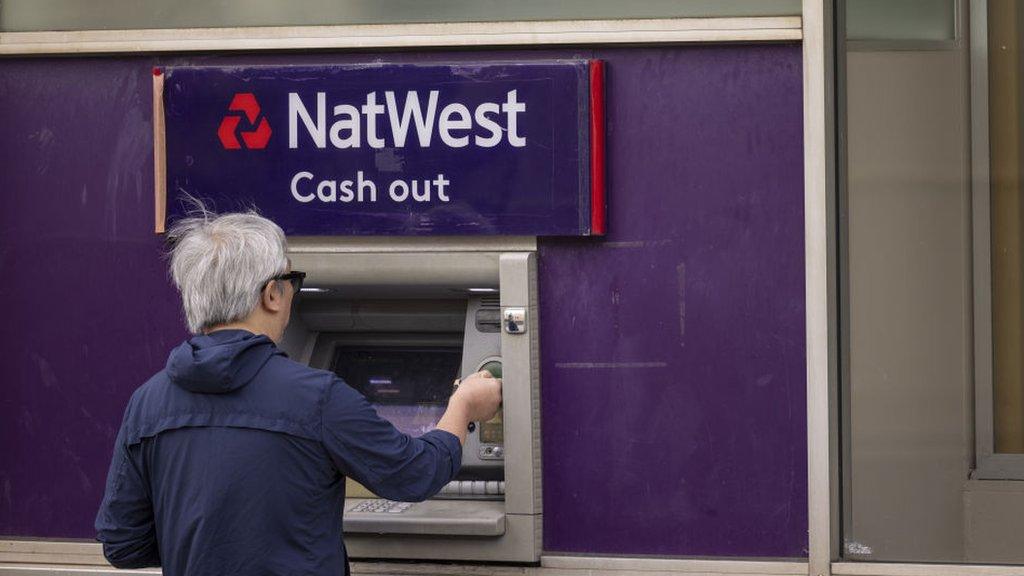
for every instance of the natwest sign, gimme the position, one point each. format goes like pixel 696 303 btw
pixel 393 149
pixel 486 126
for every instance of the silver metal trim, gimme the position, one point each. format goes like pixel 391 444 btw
pixel 388 244
pixel 844 493
pixel 897 569
pixel 820 263
pixel 49 557
pixel 374 271
pixel 752 29
pixel 521 392
pixel 981 228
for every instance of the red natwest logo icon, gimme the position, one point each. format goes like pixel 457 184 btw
pixel 255 139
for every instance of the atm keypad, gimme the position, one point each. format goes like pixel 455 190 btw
pixel 381 506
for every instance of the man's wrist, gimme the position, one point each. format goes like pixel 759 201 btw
pixel 460 408
pixel 456 418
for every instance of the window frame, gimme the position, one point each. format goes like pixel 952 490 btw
pixel 989 465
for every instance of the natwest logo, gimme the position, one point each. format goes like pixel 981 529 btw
pixel 255 139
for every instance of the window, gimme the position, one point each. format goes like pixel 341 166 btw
pixel 932 282
pixel 999 243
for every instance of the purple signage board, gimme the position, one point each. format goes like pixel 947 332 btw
pixel 384 149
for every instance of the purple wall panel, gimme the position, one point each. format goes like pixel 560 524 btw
pixel 673 351
pixel 89 313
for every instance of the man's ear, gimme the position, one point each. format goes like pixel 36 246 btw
pixel 272 297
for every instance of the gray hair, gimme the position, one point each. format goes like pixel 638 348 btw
pixel 221 262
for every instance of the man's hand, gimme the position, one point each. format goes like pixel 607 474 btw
pixel 481 393
pixel 476 399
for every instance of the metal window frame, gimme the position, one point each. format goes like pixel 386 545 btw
pixel 989 465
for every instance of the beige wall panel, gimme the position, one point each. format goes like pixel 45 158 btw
pixel 994 512
pixel 909 273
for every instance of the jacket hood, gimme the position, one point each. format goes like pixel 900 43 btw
pixel 219 362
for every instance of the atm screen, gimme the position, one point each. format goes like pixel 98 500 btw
pixel 408 385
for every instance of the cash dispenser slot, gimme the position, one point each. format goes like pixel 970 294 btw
pixel 402 344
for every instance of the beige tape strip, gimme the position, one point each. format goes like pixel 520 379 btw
pixel 159 154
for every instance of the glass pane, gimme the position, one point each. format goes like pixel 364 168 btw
pixel 907 289
pixel 900 19
pixel 1006 24
pixel 908 293
pixel 37 15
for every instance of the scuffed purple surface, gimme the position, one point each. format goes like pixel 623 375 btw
pixel 89 312
pixel 672 351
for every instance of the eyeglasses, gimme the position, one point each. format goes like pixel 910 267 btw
pixel 295 277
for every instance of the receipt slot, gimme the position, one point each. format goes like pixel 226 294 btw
pixel 400 325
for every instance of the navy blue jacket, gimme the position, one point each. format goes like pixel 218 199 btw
pixel 232 460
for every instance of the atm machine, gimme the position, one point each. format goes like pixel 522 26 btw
pixel 399 320
pixel 420 265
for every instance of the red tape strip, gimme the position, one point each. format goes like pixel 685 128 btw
pixel 598 201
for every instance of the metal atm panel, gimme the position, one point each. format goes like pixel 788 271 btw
pixel 383 314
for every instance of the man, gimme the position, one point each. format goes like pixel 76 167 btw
pixel 233 458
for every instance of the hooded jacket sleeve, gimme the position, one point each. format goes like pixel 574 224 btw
pixel 125 523
pixel 370 450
